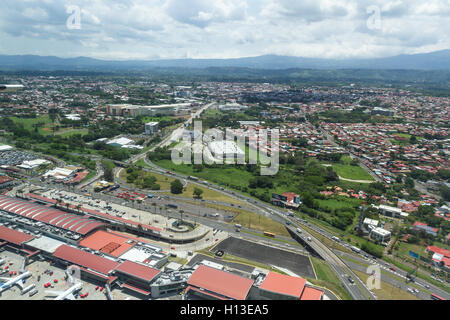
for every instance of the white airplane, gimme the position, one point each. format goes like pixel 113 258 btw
pixel 68 294
pixel 9 282
pixel 10 87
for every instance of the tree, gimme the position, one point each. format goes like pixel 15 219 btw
pixel 198 193
pixel 409 183
pixel 176 187
pixel 108 173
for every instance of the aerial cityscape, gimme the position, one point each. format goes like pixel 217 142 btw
pixel 220 177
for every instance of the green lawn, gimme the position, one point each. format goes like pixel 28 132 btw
pixel 225 175
pixel 257 222
pixel 209 195
pixel 327 278
pixel 29 122
pixel 340 203
pixel 387 291
pixel 70 132
pixel 352 172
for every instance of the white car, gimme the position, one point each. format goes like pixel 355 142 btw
pixel 411 290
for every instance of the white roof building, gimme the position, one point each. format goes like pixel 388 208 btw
pixel 5 148
pixel 120 142
pixel 225 147
pixel 33 163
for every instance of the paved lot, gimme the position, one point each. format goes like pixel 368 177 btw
pixel 39 278
pixel 298 264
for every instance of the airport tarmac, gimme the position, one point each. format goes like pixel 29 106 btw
pixel 42 273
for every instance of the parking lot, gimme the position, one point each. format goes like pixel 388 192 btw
pixel 14 157
pixel 298 264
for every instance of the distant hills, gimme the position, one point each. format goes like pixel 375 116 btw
pixel 439 60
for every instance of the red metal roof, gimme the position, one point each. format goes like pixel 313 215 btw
pixel 13 236
pixel 221 282
pixel 110 243
pixel 311 294
pixel 283 284
pixel 138 270
pixel 98 214
pixel 49 215
pixel 85 259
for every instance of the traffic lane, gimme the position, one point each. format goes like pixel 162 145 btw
pixel 390 280
pixel 400 273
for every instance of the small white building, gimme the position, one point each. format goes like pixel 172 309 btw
pixel 120 142
pixel 5 147
pixel 370 223
pixel 151 128
pixel 379 234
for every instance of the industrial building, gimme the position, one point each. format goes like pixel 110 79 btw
pixel 391 211
pixel 128 110
pixel 225 149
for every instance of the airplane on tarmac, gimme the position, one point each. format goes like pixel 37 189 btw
pixel 10 87
pixel 66 295
pixel 10 282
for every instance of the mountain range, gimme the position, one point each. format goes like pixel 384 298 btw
pixel 438 60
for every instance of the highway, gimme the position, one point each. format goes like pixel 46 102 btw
pixel 342 270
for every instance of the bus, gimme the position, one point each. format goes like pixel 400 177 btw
pixel 436 297
pixel 269 234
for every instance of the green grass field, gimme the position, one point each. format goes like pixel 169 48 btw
pixel 352 172
pixel 46 126
pixel 70 132
pixel 227 174
pixel 327 278
pixel 387 291
pixel 257 222
pixel 207 194
pixel 339 203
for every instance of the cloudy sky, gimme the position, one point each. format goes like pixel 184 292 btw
pixel 156 29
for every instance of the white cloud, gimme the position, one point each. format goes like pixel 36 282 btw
pixel 144 29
